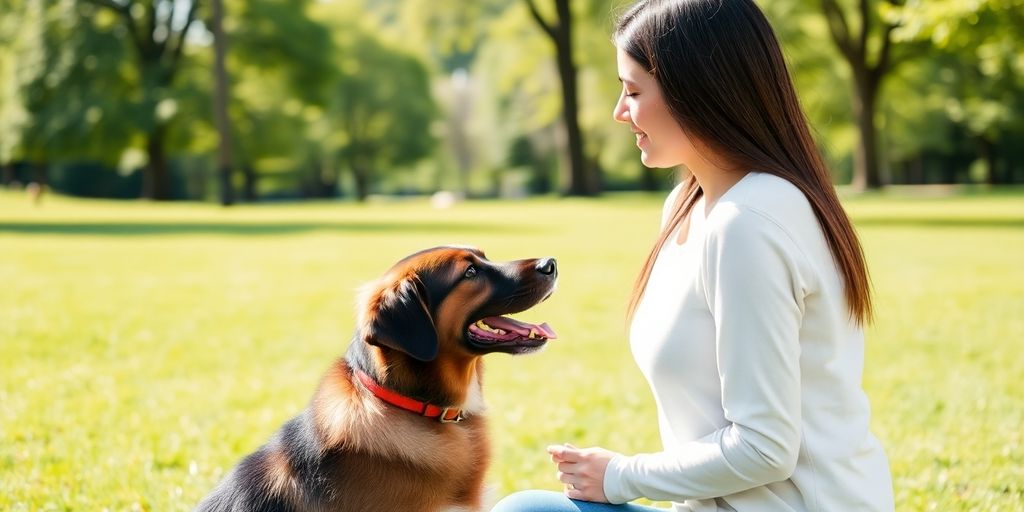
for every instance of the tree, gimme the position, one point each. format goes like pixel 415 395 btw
pixel 156 31
pixel 74 92
pixel 980 74
pixel 220 106
pixel 867 47
pixel 283 62
pixel 382 108
pixel 20 51
pixel 583 179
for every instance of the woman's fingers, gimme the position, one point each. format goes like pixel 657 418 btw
pixel 564 453
pixel 581 472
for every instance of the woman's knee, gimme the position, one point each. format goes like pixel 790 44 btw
pixel 535 501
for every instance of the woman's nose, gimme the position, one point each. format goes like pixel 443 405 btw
pixel 620 113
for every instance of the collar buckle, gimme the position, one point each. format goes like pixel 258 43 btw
pixel 443 418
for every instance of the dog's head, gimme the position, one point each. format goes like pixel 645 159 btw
pixel 454 300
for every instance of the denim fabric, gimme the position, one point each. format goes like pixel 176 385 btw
pixel 550 501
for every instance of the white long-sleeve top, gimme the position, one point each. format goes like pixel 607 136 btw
pixel 745 339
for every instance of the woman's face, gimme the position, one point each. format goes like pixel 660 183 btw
pixel 661 140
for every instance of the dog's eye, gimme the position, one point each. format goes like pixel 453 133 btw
pixel 470 272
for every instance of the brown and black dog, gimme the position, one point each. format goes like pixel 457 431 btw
pixel 396 424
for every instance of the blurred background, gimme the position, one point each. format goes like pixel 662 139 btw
pixel 351 98
pixel 147 345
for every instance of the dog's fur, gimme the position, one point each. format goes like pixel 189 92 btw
pixel 350 451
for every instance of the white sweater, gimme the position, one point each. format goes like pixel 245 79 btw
pixel 746 341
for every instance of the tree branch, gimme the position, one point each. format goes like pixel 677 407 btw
pixel 549 29
pixel 124 11
pixel 176 55
pixel 170 21
pixel 885 54
pixel 907 52
pixel 838 27
pixel 865 26
pixel 156 47
pixel 885 61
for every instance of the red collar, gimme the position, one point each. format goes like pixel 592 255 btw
pixel 442 414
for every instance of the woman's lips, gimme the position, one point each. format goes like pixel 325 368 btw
pixel 641 138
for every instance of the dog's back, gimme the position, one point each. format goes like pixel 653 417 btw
pixel 280 476
pixel 384 460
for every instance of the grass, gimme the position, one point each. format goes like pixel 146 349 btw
pixel 144 348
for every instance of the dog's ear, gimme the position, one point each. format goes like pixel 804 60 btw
pixel 397 315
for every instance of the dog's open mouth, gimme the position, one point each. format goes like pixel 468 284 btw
pixel 495 331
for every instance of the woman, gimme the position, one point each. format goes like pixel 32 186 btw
pixel 747 316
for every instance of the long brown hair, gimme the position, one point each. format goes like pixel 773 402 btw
pixel 721 71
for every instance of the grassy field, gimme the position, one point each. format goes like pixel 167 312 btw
pixel 144 348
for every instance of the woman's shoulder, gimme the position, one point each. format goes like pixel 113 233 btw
pixel 762 197
pixel 766 192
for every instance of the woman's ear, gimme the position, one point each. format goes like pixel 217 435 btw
pixel 396 315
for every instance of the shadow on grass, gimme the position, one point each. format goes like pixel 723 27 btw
pixel 114 228
pixel 939 222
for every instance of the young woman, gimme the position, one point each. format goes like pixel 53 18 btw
pixel 747 317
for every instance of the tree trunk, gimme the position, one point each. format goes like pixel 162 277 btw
pixel 41 175
pixel 220 107
pixel 1011 170
pixel 948 170
pixel 159 42
pixel 583 179
pixel 155 179
pixel 869 64
pixel 249 183
pixel 361 177
pixel 582 183
pixel 920 176
pixel 866 172
pixel 987 152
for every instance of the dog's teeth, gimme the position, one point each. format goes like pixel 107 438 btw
pixel 532 334
pixel 499 331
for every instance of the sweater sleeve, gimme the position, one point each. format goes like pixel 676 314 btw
pixel 754 291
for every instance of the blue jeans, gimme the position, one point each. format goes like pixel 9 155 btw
pixel 550 501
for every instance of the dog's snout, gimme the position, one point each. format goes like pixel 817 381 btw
pixel 547 266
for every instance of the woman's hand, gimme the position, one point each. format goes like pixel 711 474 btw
pixel 582 470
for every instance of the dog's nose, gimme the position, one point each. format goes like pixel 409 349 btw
pixel 547 266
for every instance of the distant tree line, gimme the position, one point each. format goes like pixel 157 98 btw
pixel 248 99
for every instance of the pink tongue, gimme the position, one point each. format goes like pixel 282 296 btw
pixel 521 328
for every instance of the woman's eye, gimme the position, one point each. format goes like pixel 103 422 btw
pixel 470 272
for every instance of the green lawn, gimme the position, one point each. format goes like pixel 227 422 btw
pixel 144 348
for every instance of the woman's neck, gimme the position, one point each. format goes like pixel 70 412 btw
pixel 715 173
pixel 714 183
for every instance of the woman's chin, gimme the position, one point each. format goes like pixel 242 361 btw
pixel 647 160
pixel 651 162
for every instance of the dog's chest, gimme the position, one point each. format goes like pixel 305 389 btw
pixel 445 470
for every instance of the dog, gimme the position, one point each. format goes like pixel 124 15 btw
pixel 397 424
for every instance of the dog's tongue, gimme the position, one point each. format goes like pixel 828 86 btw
pixel 522 328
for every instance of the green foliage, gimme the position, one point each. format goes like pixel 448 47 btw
pixel 281 36
pixel 145 349
pixel 380 110
pixel 307 77
pixel 80 97
pixel 19 49
pixel 281 82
